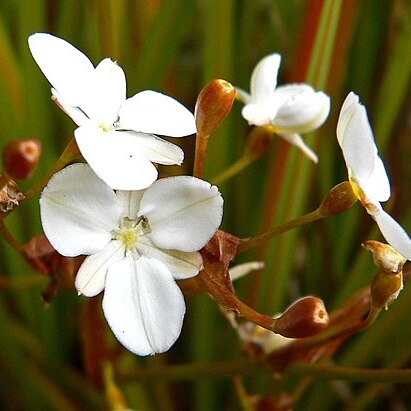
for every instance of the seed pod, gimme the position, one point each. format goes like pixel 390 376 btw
pixel 20 158
pixel 339 199
pixel 304 318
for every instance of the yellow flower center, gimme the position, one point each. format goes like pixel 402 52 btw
pixel 106 127
pixel 130 230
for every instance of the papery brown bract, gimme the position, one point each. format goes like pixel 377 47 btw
pixel 43 258
pixel 214 278
pixel 41 255
pixel 10 194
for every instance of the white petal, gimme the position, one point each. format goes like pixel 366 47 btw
pixel 241 270
pixel 183 212
pixel 78 211
pixel 76 114
pixel 181 264
pixel 106 92
pixel 356 139
pixel 242 95
pixel 67 69
pixel 257 114
pixel 143 305
pixel 264 79
pixel 377 186
pixel 297 141
pixel 395 235
pixel 115 158
pixel 154 148
pixel 303 110
pixel 91 276
pixel 130 200
pixel 154 113
pixel 348 108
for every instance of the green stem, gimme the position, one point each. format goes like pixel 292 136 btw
pixel 251 242
pixel 4 231
pixel 327 372
pixel 234 169
pixel 29 281
pixel 191 372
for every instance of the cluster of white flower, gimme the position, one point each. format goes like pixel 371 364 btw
pixel 147 233
pixel 139 234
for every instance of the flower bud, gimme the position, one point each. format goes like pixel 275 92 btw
pixel 385 257
pixel 385 288
pixel 258 141
pixel 213 104
pixel 388 283
pixel 304 318
pixel 339 199
pixel 20 158
pixel 10 194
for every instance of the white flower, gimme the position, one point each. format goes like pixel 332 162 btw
pixel 114 134
pixel 137 242
pixel 290 110
pixel 366 171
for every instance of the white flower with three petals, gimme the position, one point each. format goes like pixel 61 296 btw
pixel 366 171
pixel 290 110
pixel 115 134
pixel 137 243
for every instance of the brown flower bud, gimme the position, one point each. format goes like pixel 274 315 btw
pixel 339 199
pixel 304 318
pixel 20 158
pixel 258 141
pixel 213 104
pixel 385 288
pixel 10 194
pixel 385 257
pixel 388 283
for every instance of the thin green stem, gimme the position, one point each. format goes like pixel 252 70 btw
pixel 251 242
pixel 10 238
pixel 234 169
pixel 29 281
pixel 192 372
pixel 328 372
pixel 241 393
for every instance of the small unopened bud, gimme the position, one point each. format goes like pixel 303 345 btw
pixel 10 194
pixel 388 283
pixel 304 318
pixel 258 141
pixel 385 288
pixel 339 199
pixel 385 257
pixel 213 104
pixel 20 158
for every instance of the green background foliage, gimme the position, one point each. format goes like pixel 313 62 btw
pixel 176 47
